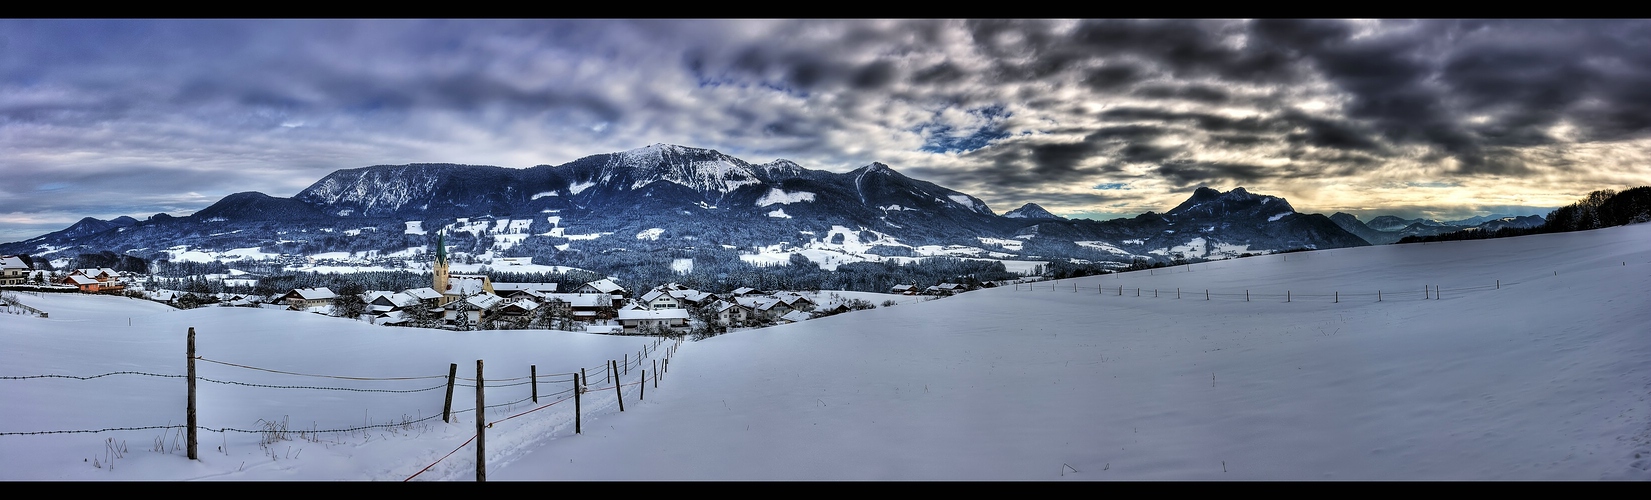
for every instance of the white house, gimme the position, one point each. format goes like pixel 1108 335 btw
pixel 633 320
pixel 309 298
pixel 13 271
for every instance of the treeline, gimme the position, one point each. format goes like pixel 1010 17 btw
pixel 1600 209
pixel 120 263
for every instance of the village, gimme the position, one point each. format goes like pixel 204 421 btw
pixel 466 302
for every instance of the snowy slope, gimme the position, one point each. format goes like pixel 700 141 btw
pixel 1546 377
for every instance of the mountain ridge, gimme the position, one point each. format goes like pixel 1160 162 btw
pixel 680 197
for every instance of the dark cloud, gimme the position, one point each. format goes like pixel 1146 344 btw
pixel 942 73
pixel 1329 133
pixel 1207 94
pixel 1190 173
pixel 875 75
pixel 1186 48
pixel 1127 133
pixel 1207 122
pixel 1113 76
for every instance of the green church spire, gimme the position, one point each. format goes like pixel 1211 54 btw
pixel 441 249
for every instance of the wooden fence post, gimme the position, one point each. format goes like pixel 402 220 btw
pixel 447 408
pixel 533 376
pixel 578 388
pixel 627 363
pixel 643 387
pixel 190 416
pixel 656 374
pixel 616 394
pixel 481 426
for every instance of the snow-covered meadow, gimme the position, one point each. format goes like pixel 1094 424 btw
pixel 1534 364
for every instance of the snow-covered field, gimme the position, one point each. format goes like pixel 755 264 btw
pixel 1545 375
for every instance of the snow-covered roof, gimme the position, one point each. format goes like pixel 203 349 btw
pixel 691 295
pixel 791 299
pixel 425 293
pixel 12 263
pixel 503 288
pixel 794 316
pixel 483 300
pixel 759 303
pixel 524 305
pixel 466 284
pixel 95 272
pixel 605 285
pixel 633 314
pixel 321 293
pixel 722 306
pixel 653 295
pixel 394 318
pixel 581 299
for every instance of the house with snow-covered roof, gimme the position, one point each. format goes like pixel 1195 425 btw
pixel 587 307
pixel 690 298
pixel 730 313
pixel 13 271
pixel 659 299
pixel 603 285
pixel 460 286
pixel 508 290
pixel 108 280
pixel 85 283
pixel 634 321
pixel 309 298
pixel 792 317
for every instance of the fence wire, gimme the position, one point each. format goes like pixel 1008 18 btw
pixel 558 378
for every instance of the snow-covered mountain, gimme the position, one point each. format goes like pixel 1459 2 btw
pixel 1208 225
pixel 677 197
pixel 1031 211
pixel 1397 229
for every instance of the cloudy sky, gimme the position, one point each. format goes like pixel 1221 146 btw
pixel 1097 119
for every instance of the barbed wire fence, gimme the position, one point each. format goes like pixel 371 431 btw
pixel 1423 292
pixel 653 354
pixel 1372 294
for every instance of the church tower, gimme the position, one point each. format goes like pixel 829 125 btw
pixel 441 265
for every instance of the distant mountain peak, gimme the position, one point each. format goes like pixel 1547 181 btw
pixel 877 167
pixel 1210 202
pixel 1031 211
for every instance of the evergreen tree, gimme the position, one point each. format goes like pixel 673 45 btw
pixel 348 303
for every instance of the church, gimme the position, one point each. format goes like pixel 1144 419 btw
pixel 456 287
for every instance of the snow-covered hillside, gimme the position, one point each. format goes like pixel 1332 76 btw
pixel 1535 364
